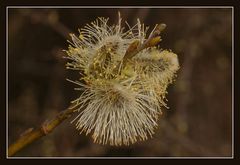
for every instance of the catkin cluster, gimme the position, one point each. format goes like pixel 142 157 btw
pixel 123 80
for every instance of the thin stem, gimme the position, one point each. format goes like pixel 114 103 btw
pixel 31 135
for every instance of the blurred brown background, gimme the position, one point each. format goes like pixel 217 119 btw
pixel 199 121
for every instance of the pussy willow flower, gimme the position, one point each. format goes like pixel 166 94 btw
pixel 123 80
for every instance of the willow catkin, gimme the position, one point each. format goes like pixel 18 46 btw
pixel 123 81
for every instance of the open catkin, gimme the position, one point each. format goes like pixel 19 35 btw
pixel 123 80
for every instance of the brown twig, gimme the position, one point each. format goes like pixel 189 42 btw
pixel 31 135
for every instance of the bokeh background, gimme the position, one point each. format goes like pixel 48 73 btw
pixel 199 119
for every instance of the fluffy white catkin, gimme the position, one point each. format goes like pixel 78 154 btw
pixel 123 81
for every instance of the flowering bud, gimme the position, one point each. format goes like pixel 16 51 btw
pixel 124 77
